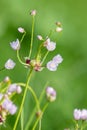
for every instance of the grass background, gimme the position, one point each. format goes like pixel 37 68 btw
pixel 71 77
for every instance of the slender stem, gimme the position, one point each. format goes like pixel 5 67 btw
pixel 44 57
pixel 18 56
pixel 21 107
pixel 22 119
pixel 20 59
pixel 40 124
pixel 44 108
pixel 32 33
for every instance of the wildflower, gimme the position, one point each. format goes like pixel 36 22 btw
pixel 77 114
pixel 39 37
pixel 84 114
pixel 59 29
pixel 6 79
pixel 33 12
pixel 21 30
pixel 18 89
pixel 50 93
pixel 51 65
pixel 13 109
pixel 58 59
pixel 15 45
pixel 9 106
pixel 10 64
pixel 50 45
pixel 12 88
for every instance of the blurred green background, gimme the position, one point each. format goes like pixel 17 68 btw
pixel 71 77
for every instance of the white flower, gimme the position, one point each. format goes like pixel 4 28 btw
pixel 50 45
pixel 10 64
pixel 50 93
pixel 51 65
pixel 9 106
pixel 39 37
pixel 21 30
pixel 59 29
pixel 15 45
pixel 13 109
pixel 12 88
pixel 18 89
pixel 77 114
pixel 58 59
pixel 84 114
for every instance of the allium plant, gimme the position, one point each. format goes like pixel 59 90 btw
pixel 38 63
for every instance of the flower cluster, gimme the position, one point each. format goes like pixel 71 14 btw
pixel 80 114
pixel 6 104
pixel 36 63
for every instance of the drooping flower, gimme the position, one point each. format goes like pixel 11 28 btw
pixel 50 45
pixel 21 30
pixel 18 89
pixel 58 59
pixel 15 45
pixel 13 109
pixel 39 37
pixel 77 114
pixel 84 114
pixel 51 65
pixel 12 88
pixel 10 64
pixel 51 94
pixel 9 106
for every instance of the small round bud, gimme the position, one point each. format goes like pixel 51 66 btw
pixel 39 37
pixel 39 113
pixel 51 94
pixel 33 12
pixel 18 89
pixel 21 30
pixel 6 79
pixel 58 24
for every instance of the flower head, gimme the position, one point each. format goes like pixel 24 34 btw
pixel 10 64
pixel 50 45
pixel 9 106
pixel 58 59
pixel 51 65
pixel 21 30
pixel 15 45
pixel 84 114
pixel 50 93
pixel 77 114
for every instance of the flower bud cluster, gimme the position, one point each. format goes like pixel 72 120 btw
pixel 80 114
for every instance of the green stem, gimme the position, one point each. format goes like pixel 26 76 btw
pixel 18 56
pixel 40 124
pixel 44 108
pixel 32 33
pixel 21 107
pixel 44 57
